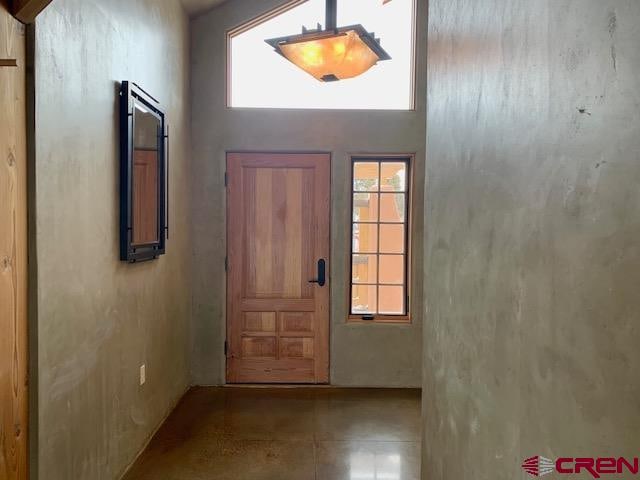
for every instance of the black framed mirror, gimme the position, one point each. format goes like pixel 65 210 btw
pixel 143 175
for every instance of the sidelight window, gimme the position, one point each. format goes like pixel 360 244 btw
pixel 380 239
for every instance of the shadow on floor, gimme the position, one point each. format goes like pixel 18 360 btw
pixel 287 434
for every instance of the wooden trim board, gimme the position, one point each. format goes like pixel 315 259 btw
pixel 13 253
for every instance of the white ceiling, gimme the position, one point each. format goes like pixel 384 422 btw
pixel 196 6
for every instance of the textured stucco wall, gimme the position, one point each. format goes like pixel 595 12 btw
pixel 532 254
pixel 361 355
pixel 99 319
pixel 194 6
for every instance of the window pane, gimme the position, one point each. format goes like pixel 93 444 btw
pixel 391 300
pixel 394 176
pixel 364 269
pixel 365 176
pixel 392 206
pixel 365 238
pixel 365 207
pixel 379 243
pixel 392 238
pixel 259 77
pixel 363 299
pixel 392 269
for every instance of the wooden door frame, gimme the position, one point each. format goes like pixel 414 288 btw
pixel 16 395
pixel 329 155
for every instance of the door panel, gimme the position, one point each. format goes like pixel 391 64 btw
pixel 13 251
pixel 278 229
pixel 274 227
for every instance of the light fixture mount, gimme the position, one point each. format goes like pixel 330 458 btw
pixel 333 53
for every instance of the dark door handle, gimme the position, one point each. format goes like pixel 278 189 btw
pixel 321 280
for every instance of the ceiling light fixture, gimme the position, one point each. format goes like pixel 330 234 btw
pixel 333 53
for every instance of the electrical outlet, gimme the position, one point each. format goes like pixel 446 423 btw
pixel 143 374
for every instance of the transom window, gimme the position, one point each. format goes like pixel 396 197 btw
pixel 379 239
pixel 260 78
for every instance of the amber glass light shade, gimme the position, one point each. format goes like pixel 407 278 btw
pixel 330 55
pixel 336 57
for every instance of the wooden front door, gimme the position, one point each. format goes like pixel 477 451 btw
pixel 13 250
pixel 278 217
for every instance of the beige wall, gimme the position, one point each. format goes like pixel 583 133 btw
pixel 99 319
pixel 361 355
pixel 532 256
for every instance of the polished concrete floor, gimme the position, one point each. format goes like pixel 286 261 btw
pixel 287 434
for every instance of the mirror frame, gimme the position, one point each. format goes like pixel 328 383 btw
pixel 130 94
